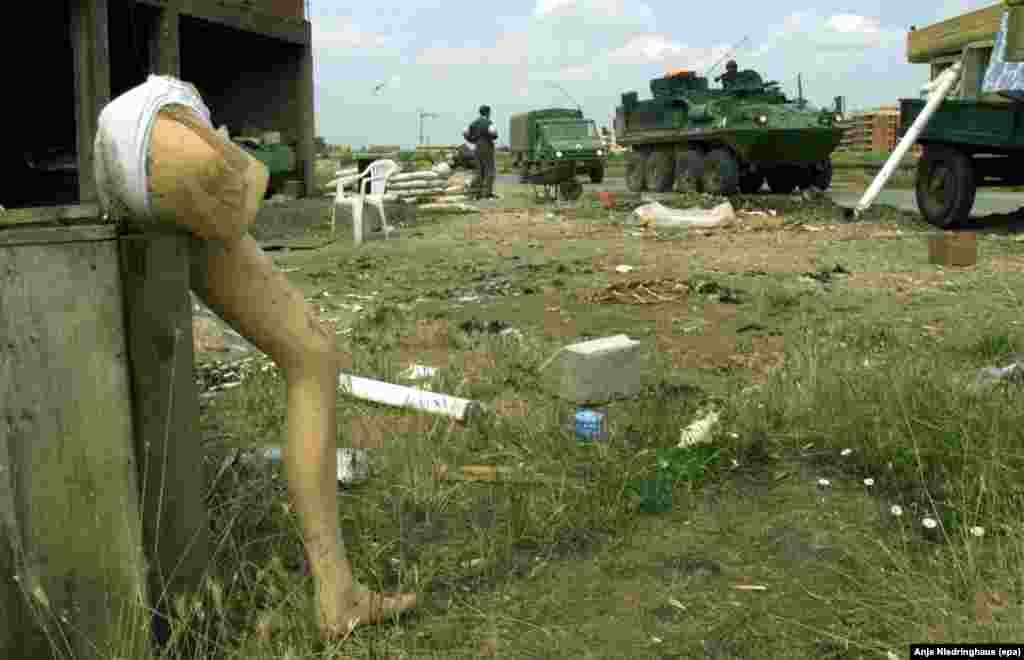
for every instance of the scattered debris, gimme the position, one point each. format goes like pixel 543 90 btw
pixel 640 292
pixel 409 397
pixel 749 587
pixel 624 269
pixel 654 213
pixel 419 372
pixel 1013 373
pixel 824 276
pixel 474 326
pixel 699 431
pixel 493 474
pixel 353 464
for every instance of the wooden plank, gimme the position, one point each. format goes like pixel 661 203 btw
pixel 69 495
pixel 57 235
pixel 164 43
pixel 90 41
pixel 307 120
pixel 158 313
pixel 950 36
pixel 238 15
pixel 89 212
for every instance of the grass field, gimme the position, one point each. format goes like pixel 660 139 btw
pixel 833 351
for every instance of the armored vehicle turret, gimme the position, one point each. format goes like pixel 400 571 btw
pixel 693 137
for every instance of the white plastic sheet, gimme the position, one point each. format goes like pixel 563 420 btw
pixel 660 215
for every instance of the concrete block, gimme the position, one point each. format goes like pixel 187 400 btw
pixel 595 371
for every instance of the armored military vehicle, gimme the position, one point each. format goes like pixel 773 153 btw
pixel 721 141
pixel 551 147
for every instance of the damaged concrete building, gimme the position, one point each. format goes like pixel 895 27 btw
pixel 251 60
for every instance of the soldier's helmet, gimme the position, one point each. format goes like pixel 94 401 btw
pixel 731 65
pixel 485 110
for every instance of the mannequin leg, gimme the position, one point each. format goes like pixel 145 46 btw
pixel 239 282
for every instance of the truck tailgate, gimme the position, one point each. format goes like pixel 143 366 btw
pixel 965 122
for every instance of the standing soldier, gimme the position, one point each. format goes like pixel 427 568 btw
pixel 482 134
pixel 729 77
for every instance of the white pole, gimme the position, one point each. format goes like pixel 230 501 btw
pixel 408 397
pixel 939 89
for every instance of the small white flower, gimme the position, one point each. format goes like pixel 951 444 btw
pixel 656 640
pixel 869 482
pixel 734 435
pixel 930 523
pixel 824 483
pixel 896 510
pixel 846 452
pixel 977 531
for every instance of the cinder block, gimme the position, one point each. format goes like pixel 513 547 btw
pixel 595 371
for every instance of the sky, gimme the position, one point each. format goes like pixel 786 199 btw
pixel 378 65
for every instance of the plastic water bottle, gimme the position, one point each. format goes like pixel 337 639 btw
pixel 591 424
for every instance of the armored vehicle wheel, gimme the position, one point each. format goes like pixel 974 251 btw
pixel 689 165
pixel 661 171
pixel 751 182
pixel 597 173
pixel 821 174
pixel 636 171
pixel 721 173
pixel 945 186
pixel 570 191
pixel 783 180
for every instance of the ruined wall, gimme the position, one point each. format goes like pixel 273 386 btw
pixel 247 80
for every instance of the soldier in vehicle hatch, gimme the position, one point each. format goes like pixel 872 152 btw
pixel 481 133
pixel 729 77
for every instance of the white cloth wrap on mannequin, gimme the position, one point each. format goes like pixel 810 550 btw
pixel 121 148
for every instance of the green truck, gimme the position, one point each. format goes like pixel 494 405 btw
pixel 551 147
pixel 720 141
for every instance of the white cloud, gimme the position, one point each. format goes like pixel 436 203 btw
pixel 341 33
pixel 849 34
pixel 593 8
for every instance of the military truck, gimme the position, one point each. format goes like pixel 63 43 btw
pixel 720 141
pixel 551 147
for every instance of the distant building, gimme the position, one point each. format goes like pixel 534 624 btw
pixel 877 129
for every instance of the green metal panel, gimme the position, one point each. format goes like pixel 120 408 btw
pixel 968 123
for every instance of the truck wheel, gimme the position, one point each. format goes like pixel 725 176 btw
pixel 661 171
pixel 689 165
pixel 945 186
pixel 783 180
pixel 597 173
pixel 636 171
pixel 721 173
pixel 821 177
pixel 751 182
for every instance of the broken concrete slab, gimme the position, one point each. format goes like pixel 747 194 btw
pixel 594 371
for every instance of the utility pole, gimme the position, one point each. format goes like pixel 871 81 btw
pixel 424 115
pixel 800 89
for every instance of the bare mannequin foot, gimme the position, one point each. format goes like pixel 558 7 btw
pixel 365 607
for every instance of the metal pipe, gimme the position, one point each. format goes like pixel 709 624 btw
pixel 938 90
pixel 408 397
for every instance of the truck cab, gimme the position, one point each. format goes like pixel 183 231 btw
pixel 553 145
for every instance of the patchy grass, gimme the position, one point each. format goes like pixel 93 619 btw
pixel 831 350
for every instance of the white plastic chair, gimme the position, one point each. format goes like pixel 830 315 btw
pixel 379 171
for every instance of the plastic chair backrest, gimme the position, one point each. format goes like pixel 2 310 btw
pixel 380 171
